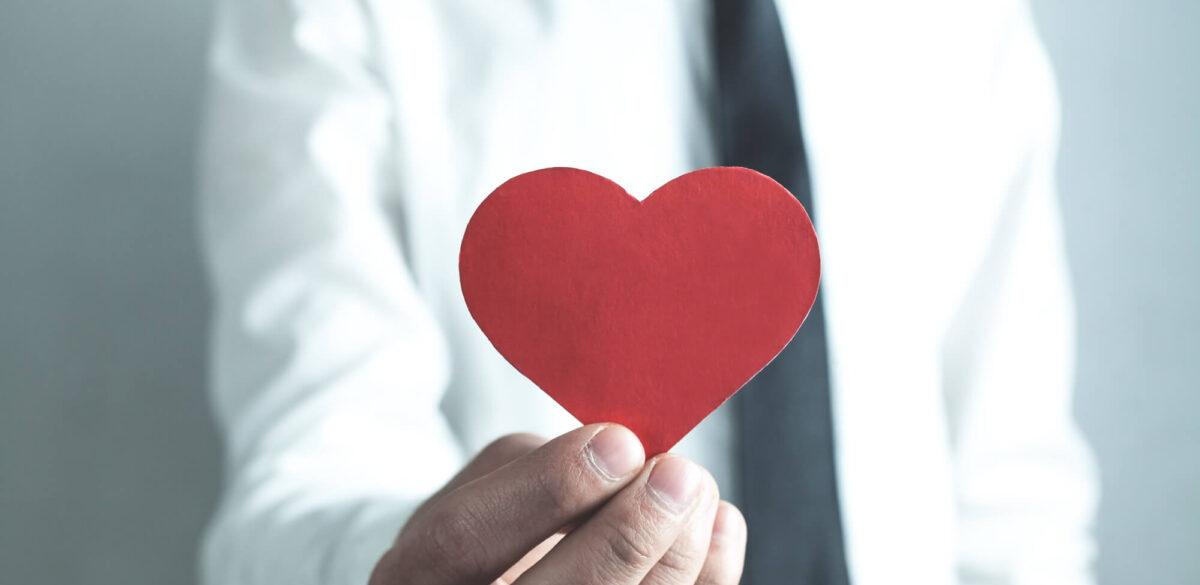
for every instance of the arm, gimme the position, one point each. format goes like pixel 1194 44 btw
pixel 1025 479
pixel 328 366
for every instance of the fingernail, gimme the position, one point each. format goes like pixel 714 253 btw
pixel 615 452
pixel 675 481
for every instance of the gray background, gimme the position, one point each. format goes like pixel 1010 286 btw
pixel 109 463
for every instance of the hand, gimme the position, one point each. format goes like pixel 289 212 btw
pixel 584 508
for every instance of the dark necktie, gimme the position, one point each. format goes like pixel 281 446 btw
pixel 789 490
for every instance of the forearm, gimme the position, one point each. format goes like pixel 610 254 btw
pixel 298 539
pixel 317 494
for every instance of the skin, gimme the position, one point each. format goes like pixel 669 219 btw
pixel 583 508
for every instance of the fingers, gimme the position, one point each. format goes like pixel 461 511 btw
pixel 726 549
pixel 622 542
pixel 496 455
pixel 529 559
pixel 499 453
pixel 476 531
pixel 681 564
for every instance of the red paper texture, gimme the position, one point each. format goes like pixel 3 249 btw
pixel 648 314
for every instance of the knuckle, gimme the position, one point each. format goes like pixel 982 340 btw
pixel 510 447
pixel 724 570
pixel 389 569
pixel 452 544
pixel 559 489
pixel 687 555
pixel 630 544
pixel 678 562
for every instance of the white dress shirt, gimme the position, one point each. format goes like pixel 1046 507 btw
pixel 348 142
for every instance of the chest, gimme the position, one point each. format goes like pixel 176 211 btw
pixel 909 148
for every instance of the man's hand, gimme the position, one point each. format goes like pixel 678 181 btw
pixel 584 508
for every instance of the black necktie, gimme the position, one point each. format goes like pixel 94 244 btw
pixel 789 490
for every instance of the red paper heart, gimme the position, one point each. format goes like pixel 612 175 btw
pixel 649 314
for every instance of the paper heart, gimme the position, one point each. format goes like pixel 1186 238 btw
pixel 649 314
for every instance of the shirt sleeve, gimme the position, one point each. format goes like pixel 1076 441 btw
pixel 1025 479
pixel 328 367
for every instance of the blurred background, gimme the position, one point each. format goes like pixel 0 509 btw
pixel 109 464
